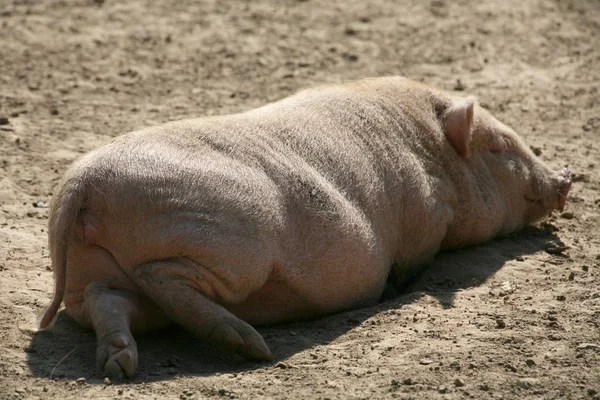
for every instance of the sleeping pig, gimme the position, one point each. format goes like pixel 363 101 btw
pixel 300 208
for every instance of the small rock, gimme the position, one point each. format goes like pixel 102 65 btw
pixel 523 384
pixel 45 389
pixel 459 86
pixel 485 387
pixel 510 367
pixel 332 384
pixel 571 276
pixel 567 215
pixel 536 150
pixel 120 391
pixel 585 268
pixel 54 111
pixel 281 365
pixel 506 288
pixel 555 248
pixel 584 346
pixel 4 120
pixel 530 362
pixel 500 324
pixel 519 258
pixel 580 178
pixel 443 389
pixel 408 381
pixel 40 204
pixel 554 337
pixel 80 381
pixel 561 297
pixel 459 382
pixel 107 380
pixel 425 361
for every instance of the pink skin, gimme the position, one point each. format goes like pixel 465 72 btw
pixel 200 223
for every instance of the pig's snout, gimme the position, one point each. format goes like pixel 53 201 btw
pixel 565 181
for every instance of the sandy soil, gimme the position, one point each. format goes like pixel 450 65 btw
pixel 517 318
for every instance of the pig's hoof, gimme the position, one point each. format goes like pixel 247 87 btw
pixel 255 349
pixel 240 336
pixel 117 356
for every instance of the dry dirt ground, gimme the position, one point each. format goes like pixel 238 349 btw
pixel 516 318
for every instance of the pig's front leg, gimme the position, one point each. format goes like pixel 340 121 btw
pixel 169 284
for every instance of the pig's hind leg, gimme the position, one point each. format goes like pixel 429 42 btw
pixel 115 316
pixel 170 285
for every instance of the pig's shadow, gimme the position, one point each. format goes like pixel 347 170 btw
pixel 68 352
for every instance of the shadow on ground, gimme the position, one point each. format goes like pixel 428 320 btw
pixel 68 352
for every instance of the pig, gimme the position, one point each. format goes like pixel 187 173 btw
pixel 298 209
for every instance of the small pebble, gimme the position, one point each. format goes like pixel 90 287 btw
pixel 500 324
pixel 459 86
pixel 530 362
pixel 536 150
pixel 425 361
pixel 555 248
pixel 571 276
pixel 567 215
pixel 510 368
pixel 589 346
pixel 80 381
pixel 443 389
pixel 520 259
pixel 560 297
pixel 4 121
pixel 459 382
pixel 107 380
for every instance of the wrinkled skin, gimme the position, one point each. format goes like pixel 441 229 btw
pixel 293 210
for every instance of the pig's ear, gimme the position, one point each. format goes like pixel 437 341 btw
pixel 457 125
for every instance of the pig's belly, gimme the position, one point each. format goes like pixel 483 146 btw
pixel 279 301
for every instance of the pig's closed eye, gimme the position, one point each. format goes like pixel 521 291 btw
pixel 502 151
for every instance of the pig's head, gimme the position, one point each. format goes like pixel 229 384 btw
pixel 501 185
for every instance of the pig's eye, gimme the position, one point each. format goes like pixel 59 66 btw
pixel 505 153
pixel 499 150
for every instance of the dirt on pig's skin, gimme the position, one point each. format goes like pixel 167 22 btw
pixel 502 320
